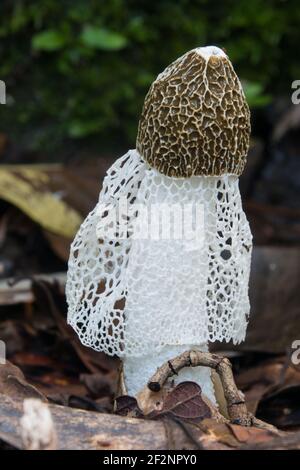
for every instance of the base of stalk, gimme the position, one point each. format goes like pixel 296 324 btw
pixel 138 370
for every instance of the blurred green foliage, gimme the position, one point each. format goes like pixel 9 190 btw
pixel 80 69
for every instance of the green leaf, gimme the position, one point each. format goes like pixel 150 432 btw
pixel 49 40
pixel 255 95
pixel 78 129
pixel 100 38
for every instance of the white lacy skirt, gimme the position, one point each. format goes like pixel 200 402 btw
pixel 132 295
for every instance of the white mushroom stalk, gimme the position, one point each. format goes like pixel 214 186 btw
pixel 161 265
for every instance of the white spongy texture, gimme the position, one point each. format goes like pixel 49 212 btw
pixel 134 296
pixel 138 370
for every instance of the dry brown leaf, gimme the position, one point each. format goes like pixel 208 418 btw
pixel 217 432
pixel 26 187
pixel 127 406
pixel 184 402
pixel 250 434
pixel 268 379
pixel 98 384
pixel 281 407
pixel 14 384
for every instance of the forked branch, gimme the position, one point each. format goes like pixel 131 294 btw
pixel 236 406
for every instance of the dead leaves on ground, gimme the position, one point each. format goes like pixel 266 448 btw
pixel 186 420
pixel 185 406
pixel 26 187
pixel 183 402
pixel 57 366
pixel 46 349
pixel 68 374
pixel 53 196
pixel 272 390
pixel 14 384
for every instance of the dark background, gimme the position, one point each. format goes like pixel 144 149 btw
pixel 77 71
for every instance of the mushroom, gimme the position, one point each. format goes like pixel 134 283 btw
pixel 147 299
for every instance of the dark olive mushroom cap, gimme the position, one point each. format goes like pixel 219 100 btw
pixel 195 119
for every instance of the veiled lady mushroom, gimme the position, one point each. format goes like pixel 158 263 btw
pixel 147 300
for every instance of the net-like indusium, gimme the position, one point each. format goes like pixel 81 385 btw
pixel 130 295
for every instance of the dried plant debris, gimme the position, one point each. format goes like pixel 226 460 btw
pixel 59 372
pixel 14 384
pixel 127 406
pixel 47 362
pixel 184 402
pixel 81 381
pixel 26 187
pixel 281 407
pixel 181 417
pixel 47 203
pixel 78 429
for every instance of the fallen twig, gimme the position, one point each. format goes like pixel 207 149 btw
pixel 236 406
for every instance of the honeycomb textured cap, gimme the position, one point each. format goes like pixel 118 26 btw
pixel 195 119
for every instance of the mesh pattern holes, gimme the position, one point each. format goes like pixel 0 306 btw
pixel 131 295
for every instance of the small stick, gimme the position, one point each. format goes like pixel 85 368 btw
pixel 237 409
